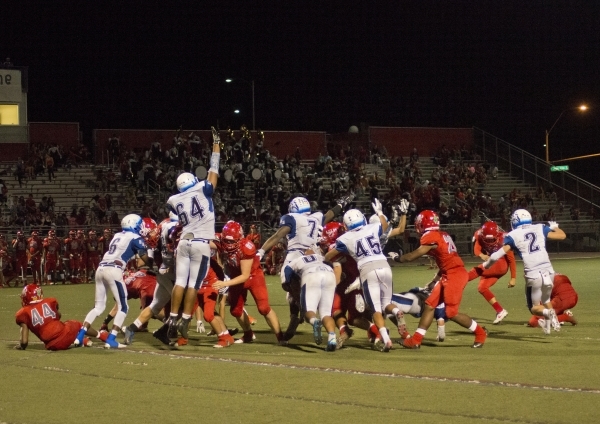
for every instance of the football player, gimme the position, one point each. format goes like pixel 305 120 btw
pixel 34 256
pixel 361 242
pixel 242 265
pixel 487 240
pixel 563 298
pixel 93 247
pixel 19 245
pixel 109 276
pixel 4 258
pixel 42 317
pixel 51 245
pixel 317 282
pixel 194 207
pixel 452 277
pixel 73 248
pixel 529 242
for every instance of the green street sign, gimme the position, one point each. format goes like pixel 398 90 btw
pixel 559 168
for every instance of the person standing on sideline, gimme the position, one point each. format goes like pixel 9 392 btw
pixel 452 277
pixel 109 276
pixel 529 242
pixel 195 209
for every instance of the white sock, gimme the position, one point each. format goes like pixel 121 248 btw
pixel 384 334
pixel 421 331
pixel 312 320
pixel 330 337
pixel 473 326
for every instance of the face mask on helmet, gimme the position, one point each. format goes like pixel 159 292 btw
pixel 426 221
pixel 32 293
pixel 231 235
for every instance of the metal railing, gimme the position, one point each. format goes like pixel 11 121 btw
pixel 535 171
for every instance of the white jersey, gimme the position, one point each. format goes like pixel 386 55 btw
pixel 362 245
pixel 195 210
pixel 304 229
pixel 529 242
pixel 123 247
pixel 305 265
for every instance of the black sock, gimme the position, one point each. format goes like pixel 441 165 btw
pixel 108 319
pixel 133 327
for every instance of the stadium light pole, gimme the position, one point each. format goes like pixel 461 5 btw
pixel 230 80
pixel 581 108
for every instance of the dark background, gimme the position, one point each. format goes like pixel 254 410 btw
pixel 508 67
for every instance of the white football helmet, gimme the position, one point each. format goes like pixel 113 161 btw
pixel 375 219
pixel 354 219
pixel 186 181
pixel 173 216
pixel 132 223
pixel 520 217
pixel 299 205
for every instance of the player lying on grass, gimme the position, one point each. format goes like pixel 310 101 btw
pixel 42 317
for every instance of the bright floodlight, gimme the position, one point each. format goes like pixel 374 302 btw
pixel 236 111
pixel 228 80
pixel 583 107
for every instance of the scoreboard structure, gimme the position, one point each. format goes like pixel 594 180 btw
pixel 13 104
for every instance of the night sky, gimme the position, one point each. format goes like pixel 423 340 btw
pixel 508 67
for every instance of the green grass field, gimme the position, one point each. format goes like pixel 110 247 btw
pixel 520 376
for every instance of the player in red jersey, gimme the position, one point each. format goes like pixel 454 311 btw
pixel 274 259
pixel 487 240
pixel 452 276
pixel 73 250
pixel 105 240
pixel 34 256
pixel 254 236
pixel 51 246
pixel 563 298
pixel 83 260
pixel 207 300
pixel 4 258
pixel 243 267
pixel 19 245
pixel 42 317
pixel 93 247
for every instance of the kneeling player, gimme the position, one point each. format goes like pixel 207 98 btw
pixel 563 298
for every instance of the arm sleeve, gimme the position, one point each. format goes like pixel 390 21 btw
pixel 208 189
pixel 340 246
pixel 547 230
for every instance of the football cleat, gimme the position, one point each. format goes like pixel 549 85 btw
pixel 112 343
pixel 381 346
pixel 554 320
pixel 570 317
pixel 183 327
pixel 500 316
pixel 200 327
pixel 128 336
pixel 224 341
pixel 78 342
pixel 248 337
pixel 409 343
pixel 344 336
pixel 545 325
pixel 172 331
pixel 441 333
pixel 401 323
pixel 317 331
pixel 181 341
pixel 103 335
pixel 161 335
pixel 252 320
pixel 87 342
pixel 480 338
pixel 331 345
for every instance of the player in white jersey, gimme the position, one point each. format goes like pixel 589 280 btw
pixel 317 282
pixel 302 230
pixel 164 280
pixel 361 242
pixel 529 242
pixel 109 276
pixel 194 207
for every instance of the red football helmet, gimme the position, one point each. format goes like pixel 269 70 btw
pixel 427 220
pixel 490 232
pixel 331 231
pixel 92 234
pixel 20 234
pixel 32 293
pixel 107 232
pixel 80 234
pixel 231 235
pixel 72 234
pixel 34 233
pixel 52 234
pixel 150 232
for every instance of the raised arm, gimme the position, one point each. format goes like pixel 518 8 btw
pixel 215 159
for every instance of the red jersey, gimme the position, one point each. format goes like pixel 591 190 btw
pixel 254 238
pixel 20 247
pixel 34 246
pixel 42 319
pixel 51 248
pixel 246 250
pixel 562 287
pixel 73 246
pixel 138 283
pixel 210 279
pixel 93 247
pixel 445 254
pixel 104 243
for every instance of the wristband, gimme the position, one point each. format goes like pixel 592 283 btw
pixel 215 158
